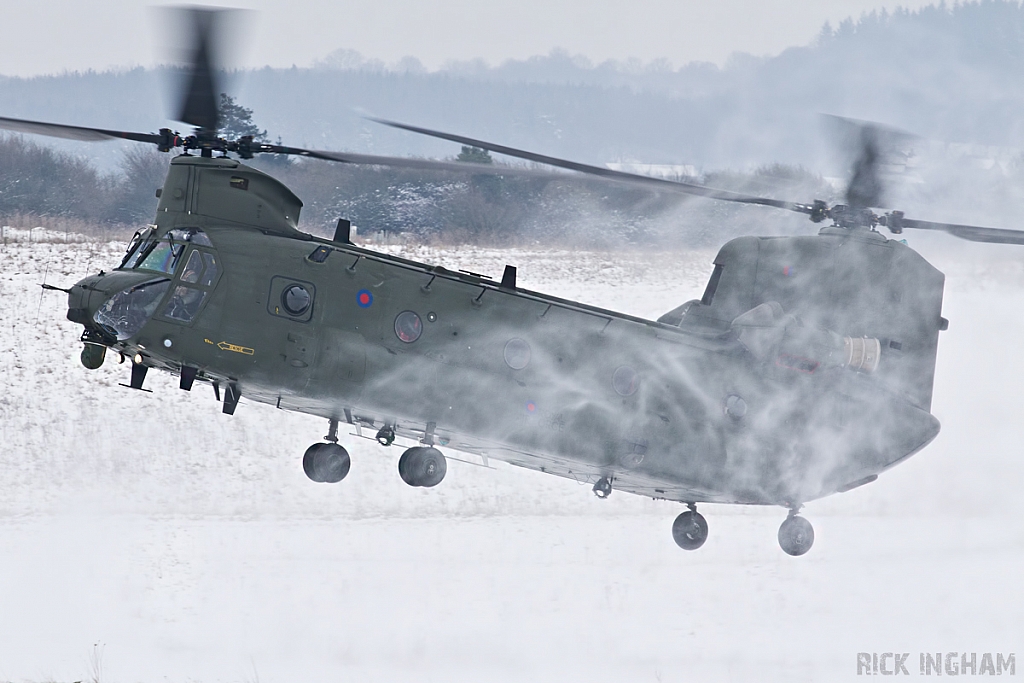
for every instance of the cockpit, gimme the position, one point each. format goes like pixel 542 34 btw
pixel 147 253
pixel 186 269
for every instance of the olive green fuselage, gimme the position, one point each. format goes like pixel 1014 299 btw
pixel 701 406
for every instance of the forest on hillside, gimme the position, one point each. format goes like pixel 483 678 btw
pixel 948 71
pixel 945 72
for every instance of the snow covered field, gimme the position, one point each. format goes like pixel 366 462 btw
pixel 148 537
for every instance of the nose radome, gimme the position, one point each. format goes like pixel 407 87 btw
pixel 78 310
pixel 84 296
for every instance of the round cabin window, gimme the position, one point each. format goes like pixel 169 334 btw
pixel 296 299
pixel 408 326
pixel 735 406
pixel 517 354
pixel 625 381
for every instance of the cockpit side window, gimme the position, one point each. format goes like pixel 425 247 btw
pixel 193 267
pixel 184 303
pixel 210 273
pixel 195 282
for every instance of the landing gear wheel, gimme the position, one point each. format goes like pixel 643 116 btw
pixel 421 466
pixel 796 535
pixel 690 530
pixel 603 488
pixel 326 463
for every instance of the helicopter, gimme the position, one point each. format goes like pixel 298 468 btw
pixel 804 370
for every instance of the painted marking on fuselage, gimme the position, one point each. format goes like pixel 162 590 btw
pixel 798 363
pixel 226 346
pixel 364 298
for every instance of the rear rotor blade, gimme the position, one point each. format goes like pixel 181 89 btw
pixel 818 210
pixel 870 145
pixel 865 188
pixel 80 133
pixel 965 232
pixel 623 176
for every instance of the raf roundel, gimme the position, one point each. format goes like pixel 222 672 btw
pixel 364 298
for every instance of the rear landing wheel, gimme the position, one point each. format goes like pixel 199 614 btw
pixel 326 463
pixel 690 530
pixel 422 466
pixel 796 535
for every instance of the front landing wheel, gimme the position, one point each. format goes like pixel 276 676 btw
pixel 796 535
pixel 326 463
pixel 690 530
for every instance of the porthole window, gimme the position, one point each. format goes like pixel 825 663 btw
pixel 735 407
pixel 296 299
pixel 517 354
pixel 408 326
pixel 625 381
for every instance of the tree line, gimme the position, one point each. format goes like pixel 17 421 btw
pixel 39 180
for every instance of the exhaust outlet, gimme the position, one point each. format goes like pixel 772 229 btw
pixel 862 353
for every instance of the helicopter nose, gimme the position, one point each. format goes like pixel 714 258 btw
pixel 83 299
pixel 78 309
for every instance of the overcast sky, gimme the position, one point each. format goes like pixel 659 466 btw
pixel 50 36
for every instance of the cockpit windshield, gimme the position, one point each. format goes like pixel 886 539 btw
pixel 126 312
pixel 162 255
pixel 140 242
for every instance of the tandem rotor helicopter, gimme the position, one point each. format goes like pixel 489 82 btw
pixel 805 369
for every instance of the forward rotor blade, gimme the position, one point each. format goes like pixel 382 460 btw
pixel 411 162
pixel 80 133
pixel 622 176
pixel 968 232
pixel 199 99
